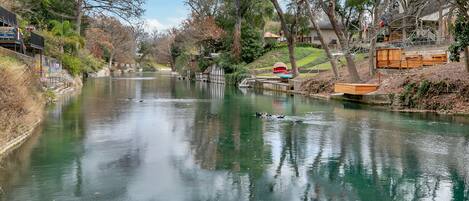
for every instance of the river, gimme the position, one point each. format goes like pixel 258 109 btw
pixel 151 137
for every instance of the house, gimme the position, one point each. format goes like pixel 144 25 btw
pixel 10 35
pixel 422 24
pixel 12 38
pixel 327 31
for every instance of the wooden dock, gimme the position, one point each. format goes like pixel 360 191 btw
pixel 355 89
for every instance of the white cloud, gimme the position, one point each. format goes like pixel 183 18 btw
pixel 152 24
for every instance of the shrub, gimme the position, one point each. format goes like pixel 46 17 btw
pixel 182 61
pixel 89 62
pixel 72 64
pixel 252 45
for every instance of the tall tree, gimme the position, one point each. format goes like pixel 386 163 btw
pixel 378 7
pixel 411 10
pixel 252 12
pixel 461 33
pixel 237 31
pixel 204 8
pixel 324 45
pixel 330 9
pixel 288 29
pixel 127 10
pixel 121 41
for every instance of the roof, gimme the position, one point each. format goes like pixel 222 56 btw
pixel 8 17
pixel 323 21
pixel 270 35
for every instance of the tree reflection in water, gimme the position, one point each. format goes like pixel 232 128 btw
pixel 193 141
pixel 344 154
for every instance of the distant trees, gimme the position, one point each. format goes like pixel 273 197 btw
pixel 127 10
pixel 117 38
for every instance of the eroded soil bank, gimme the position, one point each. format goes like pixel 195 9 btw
pixel 441 89
pixel 22 103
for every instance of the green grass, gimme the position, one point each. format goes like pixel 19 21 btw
pixel 307 58
pixel 302 54
pixel 271 75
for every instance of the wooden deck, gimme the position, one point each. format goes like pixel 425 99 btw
pixel 355 89
pixel 396 58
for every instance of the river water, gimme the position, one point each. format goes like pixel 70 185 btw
pixel 193 141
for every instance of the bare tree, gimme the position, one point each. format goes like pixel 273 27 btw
pixel 330 9
pixel 120 42
pixel 204 8
pixel 125 9
pixel 289 30
pixel 411 11
pixel 316 27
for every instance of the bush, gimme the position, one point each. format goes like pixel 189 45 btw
pixel 252 45
pixel 89 62
pixel 182 61
pixel 239 73
pixel 72 64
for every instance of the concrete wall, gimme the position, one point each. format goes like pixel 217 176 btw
pixel 24 58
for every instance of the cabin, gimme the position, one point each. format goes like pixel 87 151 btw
pixel 10 34
pixel 12 37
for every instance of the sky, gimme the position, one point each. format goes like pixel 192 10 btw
pixel 164 14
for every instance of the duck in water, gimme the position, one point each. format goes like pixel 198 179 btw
pixel 268 116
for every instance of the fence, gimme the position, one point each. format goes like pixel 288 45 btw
pixel 213 74
pixel 52 74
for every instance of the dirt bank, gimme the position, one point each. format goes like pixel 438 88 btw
pixel 324 82
pixel 21 101
pixel 442 88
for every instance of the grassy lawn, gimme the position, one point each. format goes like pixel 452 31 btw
pixel 281 55
pixel 271 75
pixel 307 59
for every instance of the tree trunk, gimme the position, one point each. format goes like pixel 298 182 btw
pixel 111 57
pixel 79 16
pixel 440 22
pixel 331 58
pixel 374 37
pixel 237 32
pixel 289 36
pixel 360 21
pixel 466 55
pixel 404 26
pixel 344 43
pixel 449 35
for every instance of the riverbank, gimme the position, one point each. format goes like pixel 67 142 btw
pixel 23 101
pixel 441 89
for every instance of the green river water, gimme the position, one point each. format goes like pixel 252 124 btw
pixel 193 141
